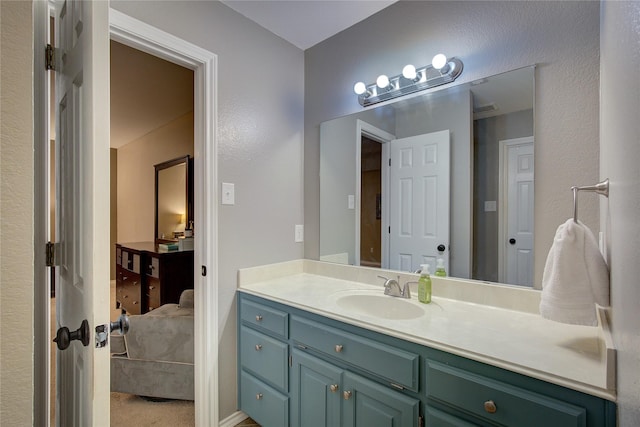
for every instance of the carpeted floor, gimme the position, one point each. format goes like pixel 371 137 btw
pixel 132 410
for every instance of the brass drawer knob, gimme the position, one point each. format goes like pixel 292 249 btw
pixel 339 348
pixel 258 396
pixel 258 347
pixel 346 395
pixel 333 388
pixel 490 406
pixel 258 318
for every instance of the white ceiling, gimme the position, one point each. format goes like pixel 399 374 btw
pixel 305 23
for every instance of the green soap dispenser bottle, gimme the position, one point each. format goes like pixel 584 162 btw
pixel 424 285
pixel 440 271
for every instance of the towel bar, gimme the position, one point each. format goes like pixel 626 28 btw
pixel 600 188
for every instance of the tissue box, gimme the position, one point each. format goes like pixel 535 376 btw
pixel 185 244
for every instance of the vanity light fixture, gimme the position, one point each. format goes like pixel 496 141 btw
pixel 441 71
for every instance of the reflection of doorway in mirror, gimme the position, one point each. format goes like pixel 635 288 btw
pixel 370 200
pixel 515 259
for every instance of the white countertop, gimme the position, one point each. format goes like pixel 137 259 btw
pixel 578 357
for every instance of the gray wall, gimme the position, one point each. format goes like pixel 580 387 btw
pixel 490 37
pixel 487 134
pixel 259 146
pixel 338 179
pixel 620 154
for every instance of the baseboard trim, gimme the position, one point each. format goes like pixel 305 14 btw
pixel 233 419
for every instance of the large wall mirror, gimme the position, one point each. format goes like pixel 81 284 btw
pixel 174 198
pixel 447 174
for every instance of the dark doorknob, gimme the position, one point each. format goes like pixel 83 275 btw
pixel 64 336
pixel 512 241
pixel 441 248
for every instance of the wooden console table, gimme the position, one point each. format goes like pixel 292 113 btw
pixel 147 278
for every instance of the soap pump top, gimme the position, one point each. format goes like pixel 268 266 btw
pixel 440 271
pixel 424 285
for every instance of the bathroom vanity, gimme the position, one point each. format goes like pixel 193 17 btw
pixel 321 345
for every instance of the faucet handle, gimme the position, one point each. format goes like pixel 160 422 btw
pixel 391 286
pixel 406 291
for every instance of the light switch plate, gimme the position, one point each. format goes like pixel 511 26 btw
pixel 299 233
pixel 228 193
pixel 351 201
pixel 490 206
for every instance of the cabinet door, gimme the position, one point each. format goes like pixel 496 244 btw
pixel 369 404
pixel 315 392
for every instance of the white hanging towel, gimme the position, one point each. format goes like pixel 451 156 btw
pixel 575 278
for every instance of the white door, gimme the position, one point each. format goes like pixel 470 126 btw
pixel 518 241
pixel 419 201
pixel 82 203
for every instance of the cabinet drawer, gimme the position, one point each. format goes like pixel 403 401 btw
pixel 129 291
pixel 153 293
pixel 265 405
pixel 131 261
pixel 153 267
pixel 397 366
pixel 436 418
pixel 264 357
pixel 265 317
pixel 498 402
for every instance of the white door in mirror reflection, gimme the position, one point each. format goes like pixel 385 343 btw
pixel 517 207
pixel 419 197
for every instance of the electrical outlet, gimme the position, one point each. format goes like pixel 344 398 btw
pixel 228 193
pixel 299 233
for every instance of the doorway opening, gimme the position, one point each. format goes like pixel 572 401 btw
pixel 372 195
pixel 371 203
pixel 152 125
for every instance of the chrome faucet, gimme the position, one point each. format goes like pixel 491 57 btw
pixel 392 288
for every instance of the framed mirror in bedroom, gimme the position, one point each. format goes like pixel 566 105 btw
pixel 173 199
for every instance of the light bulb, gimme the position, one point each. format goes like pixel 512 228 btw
pixel 439 61
pixel 409 72
pixel 359 88
pixel 382 81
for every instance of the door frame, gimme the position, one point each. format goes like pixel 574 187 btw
pixel 383 137
pixel 141 36
pixel 503 174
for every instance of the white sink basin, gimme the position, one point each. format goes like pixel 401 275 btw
pixel 380 305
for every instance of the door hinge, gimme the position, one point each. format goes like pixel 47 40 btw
pixel 290 361
pixel 52 58
pixel 389 162
pixel 421 421
pixel 50 255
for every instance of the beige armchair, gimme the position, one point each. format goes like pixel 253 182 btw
pixel 155 358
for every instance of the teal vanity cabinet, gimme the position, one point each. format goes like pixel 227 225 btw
pixel 301 369
pixel 363 372
pixel 324 395
pixel 264 370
